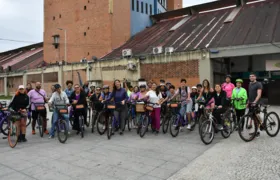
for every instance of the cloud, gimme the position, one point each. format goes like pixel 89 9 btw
pixel 187 3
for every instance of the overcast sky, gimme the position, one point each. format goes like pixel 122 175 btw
pixel 22 20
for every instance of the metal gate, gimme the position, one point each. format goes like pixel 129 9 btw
pixel 274 92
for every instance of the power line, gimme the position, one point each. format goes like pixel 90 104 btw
pixel 12 40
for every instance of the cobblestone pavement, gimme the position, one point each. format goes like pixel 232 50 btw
pixel 130 157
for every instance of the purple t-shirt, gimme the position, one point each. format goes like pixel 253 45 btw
pixel 35 97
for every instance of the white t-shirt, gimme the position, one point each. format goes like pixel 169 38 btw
pixel 154 98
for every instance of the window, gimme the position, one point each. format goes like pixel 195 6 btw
pixel 137 6
pixel 88 53
pixel 85 7
pixel 88 1
pixel 53 17
pixel 146 8
pixel 88 28
pixel 151 9
pixel 132 5
pixel 163 3
pixel 142 7
pixel 59 15
pixel 85 33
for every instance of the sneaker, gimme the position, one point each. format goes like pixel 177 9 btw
pixel 46 131
pixel 51 137
pixel 258 135
pixel 104 127
pixel 220 127
pixel 33 132
pixel 19 139
pixel 121 133
pixel 69 132
pixel 189 127
pixel 156 133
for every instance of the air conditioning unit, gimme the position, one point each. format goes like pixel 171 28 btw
pixel 169 50
pixel 131 66
pixel 60 63
pixel 157 50
pixel 126 52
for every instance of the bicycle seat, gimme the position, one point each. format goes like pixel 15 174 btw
pixel 265 105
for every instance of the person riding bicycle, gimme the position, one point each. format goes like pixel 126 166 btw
pixel 20 103
pixel 106 93
pixel 206 95
pixel 96 103
pixel 69 90
pixel 78 97
pixel 239 97
pixel 199 87
pixel 38 95
pixel 186 102
pixel 120 96
pixel 194 96
pixel 255 92
pixel 228 88
pixel 220 103
pixel 133 96
pixel 58 98
pixel 164 93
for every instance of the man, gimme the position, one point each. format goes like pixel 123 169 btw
pixel 199 87
pixel 58 98
pixel 38 95
pixel 186 102
pixel 85 88
pixel 168 84
pixel 69 90
pixel 96 103
pixel 255 92
pixel 92 90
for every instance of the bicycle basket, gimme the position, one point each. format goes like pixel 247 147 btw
pixel 150 108
pixel 63 111
pixel 140 108
pixel 40 108
pixel 111 107
pixel 15 117
pixel 174 105
pixel 80 106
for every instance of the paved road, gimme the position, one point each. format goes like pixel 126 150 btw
pixel 130 157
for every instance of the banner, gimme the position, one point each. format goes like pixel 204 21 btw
pixel 272 65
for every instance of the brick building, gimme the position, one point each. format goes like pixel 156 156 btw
pixel 94 27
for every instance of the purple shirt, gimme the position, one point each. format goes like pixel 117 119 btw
pixel 119 95
pixel 35 97
pixel 132 97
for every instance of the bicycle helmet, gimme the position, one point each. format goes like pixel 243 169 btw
pixel 57 86
pixel 228 76
pixel 194 87
pixel 239 80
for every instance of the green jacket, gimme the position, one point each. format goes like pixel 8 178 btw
pixel 241 94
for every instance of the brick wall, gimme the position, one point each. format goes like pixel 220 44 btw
pixel 100 26
pixel 172 72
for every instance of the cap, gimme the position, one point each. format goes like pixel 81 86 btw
pixel 239 80
pixel 142 86
pixel 194 87
pixel 105 87
pixel 57 86
pixel 162 84
pixel 21 87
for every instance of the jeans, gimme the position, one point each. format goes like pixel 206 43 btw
pixel 121 114
pixel 55 118
pixel 186 108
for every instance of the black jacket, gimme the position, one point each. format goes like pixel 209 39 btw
pixel 97 105
pixel 221 99
pixel 20 101
pixel 82 100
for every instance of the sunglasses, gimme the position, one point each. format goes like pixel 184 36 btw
pixel 21 89
pixel 77 87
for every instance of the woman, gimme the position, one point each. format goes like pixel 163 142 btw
pixel 120 97
pixel 206 95
pixel 79 98
pixel 20 103
pixel 132 98
pixel 228 88
pixel 164 93
pixel 105 93
pixel 28 87
pixel 142 92
pixel 239 99
pixel 155 97
pixel 220 102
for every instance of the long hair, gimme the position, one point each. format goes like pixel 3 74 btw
pixel 18 93
pixel 208 84
pixel 114 85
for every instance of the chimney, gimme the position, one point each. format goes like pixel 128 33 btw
pixel 240 3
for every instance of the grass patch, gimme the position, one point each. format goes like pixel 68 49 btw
pixel 6 97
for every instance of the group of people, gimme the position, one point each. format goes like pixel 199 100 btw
pixel 218 98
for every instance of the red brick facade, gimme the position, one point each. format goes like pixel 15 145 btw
pixel 172 72
pixel 91 29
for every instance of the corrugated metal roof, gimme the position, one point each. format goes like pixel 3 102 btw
pixel 255 23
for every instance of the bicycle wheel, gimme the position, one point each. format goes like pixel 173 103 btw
pixel 272 122
pixel 207 132
pixel 109 127
pixel 101 123
pixel 174 126
pixel 4 127
pixel 40 125
pixel 93 120
pixel 247 128
pixel 81 123
pixel 227 127
pixel 71 119
pixel 129 123
pixel 201 120
pixel 144 126
pixel 62 131
pixel 165 124
pixel 13 133
pixel 28 121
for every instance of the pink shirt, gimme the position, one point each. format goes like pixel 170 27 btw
pixel 35 97
pixel 228 88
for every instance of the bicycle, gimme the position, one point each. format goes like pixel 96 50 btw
pixel 146 109
pixel 39 108
pixel 165 118
pixel 101 124
pixel 252 121
pixel 61 126
pixel 209 127
pixel 130 121
pixel 89 117
pixel 177 120
pixel 4 114
pixel 80 108
pixel 232 114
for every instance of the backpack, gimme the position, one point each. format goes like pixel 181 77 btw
pixel 186 89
